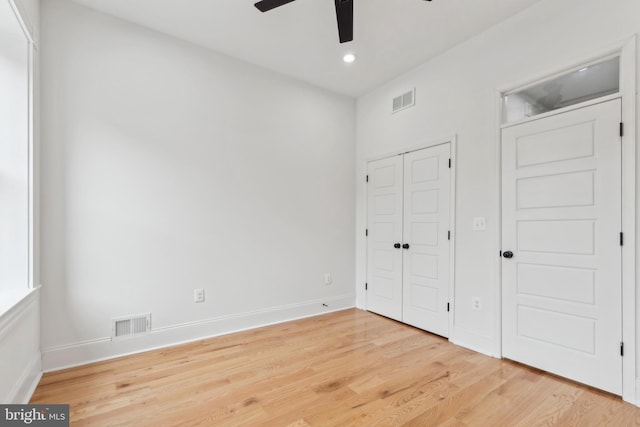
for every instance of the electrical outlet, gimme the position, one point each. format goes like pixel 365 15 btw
pixel 476 303
pixel 328 279
pixel 479 223
pixel 198 295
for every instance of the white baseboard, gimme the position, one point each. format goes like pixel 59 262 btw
pixel 637 402
pixel 26 385
pixel 471 340
pixel 81 353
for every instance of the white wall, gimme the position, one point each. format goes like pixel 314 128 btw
pixel 165 168
pixel 456 95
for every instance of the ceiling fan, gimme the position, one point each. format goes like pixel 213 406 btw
pixel 344 13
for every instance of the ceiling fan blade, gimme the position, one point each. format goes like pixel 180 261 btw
pixel 266 5
pixel 344 13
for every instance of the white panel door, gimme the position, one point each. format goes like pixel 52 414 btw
pixel 425 243
pixel 384 253
pixel 561 215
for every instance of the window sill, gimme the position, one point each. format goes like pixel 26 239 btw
pixel 10 302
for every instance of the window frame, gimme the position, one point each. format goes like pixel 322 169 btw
pixel 14 297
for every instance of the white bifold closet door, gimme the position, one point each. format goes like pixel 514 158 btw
pixel 408 238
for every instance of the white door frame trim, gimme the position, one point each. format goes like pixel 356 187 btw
pixel 626 49
pixel 452 213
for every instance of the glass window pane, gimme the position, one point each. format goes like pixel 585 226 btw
pixel 14 153
pixel 582 85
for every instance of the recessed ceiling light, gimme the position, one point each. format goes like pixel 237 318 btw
pixel 349 58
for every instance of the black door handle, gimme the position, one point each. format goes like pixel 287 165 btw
pixel 405 246
pixel 396 245
pixel 507 254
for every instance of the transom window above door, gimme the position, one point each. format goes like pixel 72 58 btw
pixel 579 85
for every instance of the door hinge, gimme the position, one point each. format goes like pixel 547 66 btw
pixel 621 239
pixel 367 178
pixel 366 232
pixel 448 307
pixel 449 163
pixel 449 235
pixel 366 286
pixel 621 349
pixel 621 129
pixel 500 255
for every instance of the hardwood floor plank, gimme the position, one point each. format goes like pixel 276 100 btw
pixel 350 368
pixel 456 405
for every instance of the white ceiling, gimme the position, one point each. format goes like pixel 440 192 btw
pixel 300 39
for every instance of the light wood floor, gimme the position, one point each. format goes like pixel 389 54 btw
pixel 341 369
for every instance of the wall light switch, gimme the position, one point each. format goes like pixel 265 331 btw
pixel 198 295
pixel 479 223
pixel 328 279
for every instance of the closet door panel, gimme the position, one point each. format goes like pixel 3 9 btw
pixel 384 254
pixel 425 239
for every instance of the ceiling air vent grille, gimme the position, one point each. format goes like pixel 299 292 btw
pixel 405 100
pixel 130 326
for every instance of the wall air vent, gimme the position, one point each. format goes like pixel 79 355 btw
pixel 405 100
pixel 130 326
